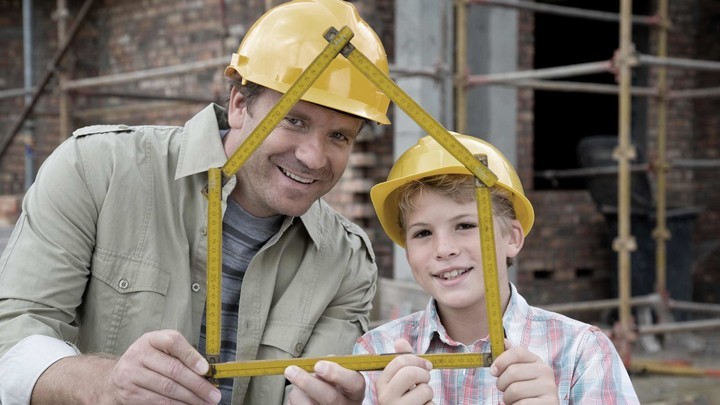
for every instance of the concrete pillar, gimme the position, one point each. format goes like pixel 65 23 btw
pixel 423 38
pixel 492 110
pixel 492 48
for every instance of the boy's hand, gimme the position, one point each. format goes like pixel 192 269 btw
pixel 522 375
pixel 405 379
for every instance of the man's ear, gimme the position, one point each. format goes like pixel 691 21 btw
pixel 237 108
pixel 516 240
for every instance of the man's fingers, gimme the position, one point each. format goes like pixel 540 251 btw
pixel 174 380
pixel 349 382
pixel 179 368
pixel 174 343
pixel 163 387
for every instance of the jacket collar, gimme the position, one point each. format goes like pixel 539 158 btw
pixel 201 147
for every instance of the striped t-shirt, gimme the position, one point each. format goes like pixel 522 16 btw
pixel 243 236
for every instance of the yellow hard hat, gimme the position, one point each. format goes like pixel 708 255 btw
pixel 429 158
pixel 287 38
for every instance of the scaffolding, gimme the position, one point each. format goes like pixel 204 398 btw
pixel 625 59
pixel 622 63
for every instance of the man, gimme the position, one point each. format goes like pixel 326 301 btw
pixel 102 284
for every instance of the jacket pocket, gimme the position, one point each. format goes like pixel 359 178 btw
pixel 284 339
pixel 124 298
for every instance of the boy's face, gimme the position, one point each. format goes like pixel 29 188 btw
pixel 443 250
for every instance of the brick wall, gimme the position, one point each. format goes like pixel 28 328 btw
pixel 707 146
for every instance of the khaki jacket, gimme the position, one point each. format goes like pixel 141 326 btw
pixel 112 244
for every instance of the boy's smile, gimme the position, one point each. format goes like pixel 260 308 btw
pixel 443 250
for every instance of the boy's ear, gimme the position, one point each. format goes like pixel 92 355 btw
pixel 237 108
pixel 516 240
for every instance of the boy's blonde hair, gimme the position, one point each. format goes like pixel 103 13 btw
pixel 460 188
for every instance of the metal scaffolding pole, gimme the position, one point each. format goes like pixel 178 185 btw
pixel 625 243
pixel 678 62
pixel 565 11
pixel 661 234
pixel 546 73
pixel 46 77
pixel 65 127
pixel 577 87
pixel 694 93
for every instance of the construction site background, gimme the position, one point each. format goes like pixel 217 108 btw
pixel 568 256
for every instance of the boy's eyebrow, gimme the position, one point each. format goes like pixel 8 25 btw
pixel 455 218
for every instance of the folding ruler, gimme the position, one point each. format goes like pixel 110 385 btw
pixel 339 43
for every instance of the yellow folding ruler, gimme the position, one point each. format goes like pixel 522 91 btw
pixel 339 42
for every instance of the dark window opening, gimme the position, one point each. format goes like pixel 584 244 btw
pixel 584 273
pixel 562 119
pixel 543 274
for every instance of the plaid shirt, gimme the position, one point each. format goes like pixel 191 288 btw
pixel 588 369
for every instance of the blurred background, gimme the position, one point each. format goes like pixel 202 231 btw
pixel 542 80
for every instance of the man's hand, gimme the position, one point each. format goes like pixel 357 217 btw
pixel 523 375
pixel 405 379
pixel 160 367
pixel 331 384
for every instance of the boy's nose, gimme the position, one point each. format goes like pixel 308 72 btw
pixel 446 247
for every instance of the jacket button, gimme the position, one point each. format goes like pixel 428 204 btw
pixel 123 283
pixel 195 287
pixel 203 231
pixel 299 346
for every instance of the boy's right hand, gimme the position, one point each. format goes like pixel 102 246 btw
pixel 405 379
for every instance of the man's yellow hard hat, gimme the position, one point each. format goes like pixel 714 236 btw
pixel 287 38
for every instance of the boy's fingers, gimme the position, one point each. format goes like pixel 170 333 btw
pixel 401 362
pixel 511 356
pixel 403 346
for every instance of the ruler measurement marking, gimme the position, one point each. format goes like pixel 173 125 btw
pixel 367 362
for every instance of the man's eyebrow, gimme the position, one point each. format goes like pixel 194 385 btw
pixel 345 130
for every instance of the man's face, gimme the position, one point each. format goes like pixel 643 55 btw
pixel 300 160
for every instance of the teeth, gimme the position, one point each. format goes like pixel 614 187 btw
pixel 452 274
pixel 296 177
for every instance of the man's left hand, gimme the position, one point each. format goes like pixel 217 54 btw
pixel 331 384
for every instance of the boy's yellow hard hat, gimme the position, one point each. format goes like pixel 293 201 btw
pixel 287 38
pixel 429 158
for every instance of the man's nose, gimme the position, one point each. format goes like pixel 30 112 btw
pixel 311 151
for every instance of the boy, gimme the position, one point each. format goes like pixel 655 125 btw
pixel 427 205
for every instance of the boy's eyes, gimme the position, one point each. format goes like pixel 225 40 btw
pixel 461 226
